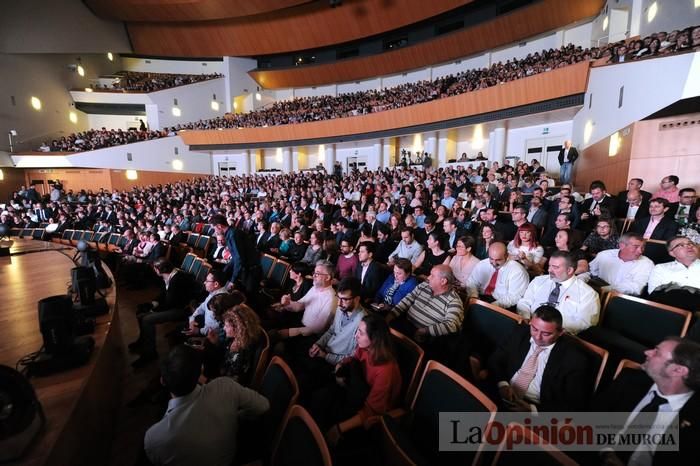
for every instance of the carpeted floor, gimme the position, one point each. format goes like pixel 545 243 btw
pixel 134 418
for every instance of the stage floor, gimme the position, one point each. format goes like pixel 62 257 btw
pixel 77 402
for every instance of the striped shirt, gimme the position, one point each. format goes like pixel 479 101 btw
pixel 441 314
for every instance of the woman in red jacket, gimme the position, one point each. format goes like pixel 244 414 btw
pixel 379 370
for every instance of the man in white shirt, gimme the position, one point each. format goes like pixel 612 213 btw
pixel 215 284
pixel 625 269
pixel 408 247
pixel 318 304
pixel 683 272
pixel 498 279
pixel 578 303
pixel 200 425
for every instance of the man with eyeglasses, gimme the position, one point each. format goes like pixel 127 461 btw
pixel 540 368
pixel 202 319
pixel 683 274
pixel 318 305
pixel 668 382
pixel 337 343
pixel 578 303
pixel 625 269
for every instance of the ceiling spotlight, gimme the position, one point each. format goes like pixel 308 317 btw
pixel 110 57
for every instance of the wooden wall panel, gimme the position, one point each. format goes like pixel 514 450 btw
pixel 540 17
pixel 119 182
pixel 97 178
pixel 594 163
pixel 13 178
pixel 658 153
pixel 308 26
pixel 72 178
pixel 191 10
pixel 553 84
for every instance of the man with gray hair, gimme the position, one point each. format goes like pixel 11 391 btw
pixel 432 310
pixel 318 305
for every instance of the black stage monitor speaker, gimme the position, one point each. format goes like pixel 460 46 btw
pixel 57 322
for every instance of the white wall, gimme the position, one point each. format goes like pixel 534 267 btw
pixel 516 138
pixel 194 101
pixel 480 61
pixel 273 159
pixel 237 80
pixel 359 86
pixel 115 121
pixel 524 48
pixel 315 91
pixel 111 97
pixel 649 85
pixel 410 77
pixel 153 65
pixel 672 14
pixel 156 155
pixel 579 35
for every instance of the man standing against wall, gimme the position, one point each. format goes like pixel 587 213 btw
pixel 567 157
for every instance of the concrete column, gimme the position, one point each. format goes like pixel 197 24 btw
pixel 376 159
pixel 252 159
pixel 287 160
pixel 388 151
pixel 152 116
pixel 499 145
pixel 245 165
pixel 432 145
pixel 228 97
pixel 329 157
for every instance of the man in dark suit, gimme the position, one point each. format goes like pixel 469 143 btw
pixel 263 233
pixel 683 212
pixel 657 226
pixel 245 259
pixel 540 367
pixel 177 289
pixel 633 205
pixel 600 203
pixel 368 271
pixel 271 245
pixel 668 382
pixel 567 157
pixel 176 236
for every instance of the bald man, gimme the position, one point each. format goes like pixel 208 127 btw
pixel 498 279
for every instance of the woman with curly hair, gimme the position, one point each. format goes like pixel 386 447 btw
pixel 243 337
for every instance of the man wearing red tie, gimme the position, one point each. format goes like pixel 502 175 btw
pixel 540 368
pixel 498 279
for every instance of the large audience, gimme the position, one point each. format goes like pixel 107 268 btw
pixel 139 81
pixel 309 109
pixel 400 248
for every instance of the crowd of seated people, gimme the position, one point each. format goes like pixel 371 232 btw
pixel 94 139
pixel 316 108
pixel 452 239
pixel 654 45
pixel 139 81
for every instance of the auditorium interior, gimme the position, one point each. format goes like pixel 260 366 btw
pixel 348 216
